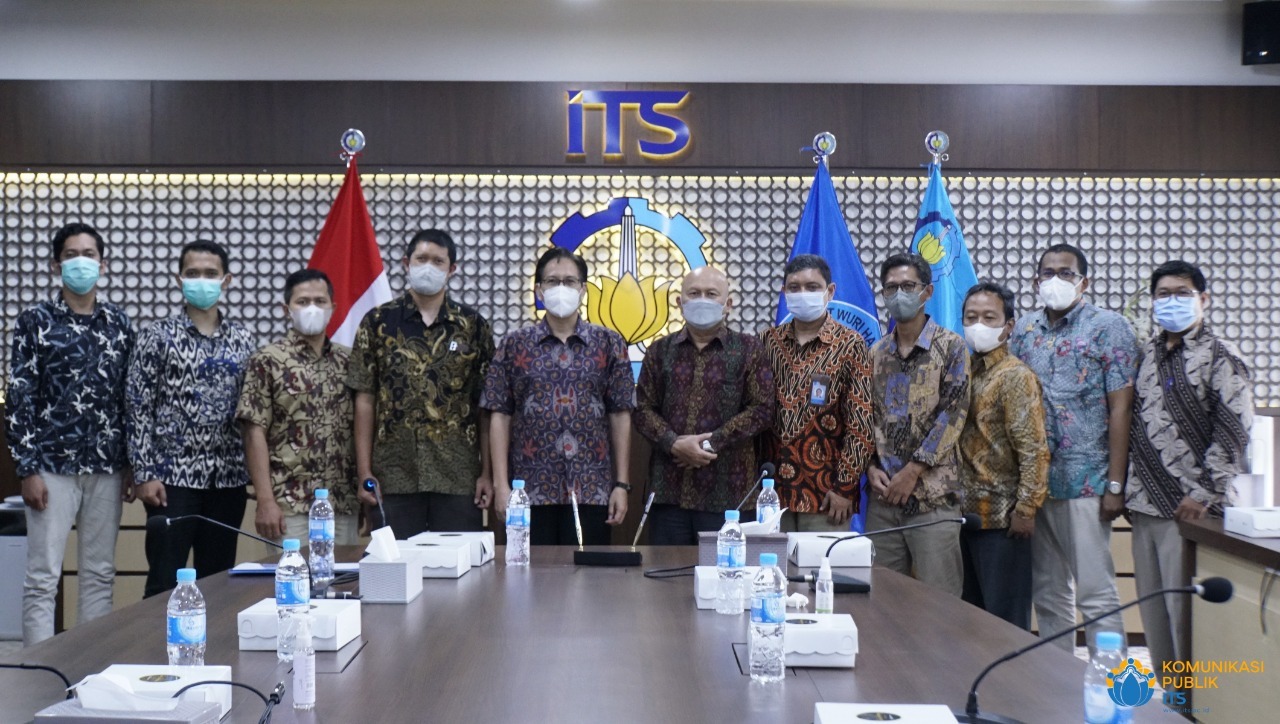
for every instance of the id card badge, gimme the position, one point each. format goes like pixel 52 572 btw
pixel 820 390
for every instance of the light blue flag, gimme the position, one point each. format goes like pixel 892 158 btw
pixel 941 242
pixel 823 231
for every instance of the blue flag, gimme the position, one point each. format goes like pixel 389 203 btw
pixel 823 231
pixel 939 240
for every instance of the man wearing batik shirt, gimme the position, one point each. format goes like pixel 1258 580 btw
pixel 1085 359
pixel 417 369
pixel 1193 410
pixel 295 414
pixel 66 431
pixel 1004 463
pixel 920 389
pixel 184 443
pixel 821 436
pixel 704 395
pixel 560 393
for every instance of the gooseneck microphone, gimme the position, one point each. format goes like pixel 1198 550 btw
pixel 42 667
pixel 376 490
pixel 768 470
pixel 1213 590
pixel 160 524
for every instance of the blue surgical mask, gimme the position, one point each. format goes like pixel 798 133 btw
pixel 1175 314
pixel 80 274
pixel 201 293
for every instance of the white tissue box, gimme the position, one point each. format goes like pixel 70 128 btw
pixel 828 640
pixel 71 711
pixel 826 712
pixel 481 542
pixel 390 581
pixel 806 550
pixel 448 559
pixel 706 586
pixel 334 624
pixel 1252 522
pixel 161 682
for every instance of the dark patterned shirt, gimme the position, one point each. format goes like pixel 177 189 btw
pixel 921 403
pixel 302 402
pixel 65 403
pixel 426 384
pixel 1192 412
pixel 182 394
pixel 819 447
pixel 726 389
pixel 559 396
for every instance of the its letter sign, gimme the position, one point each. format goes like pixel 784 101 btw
pixel 651 107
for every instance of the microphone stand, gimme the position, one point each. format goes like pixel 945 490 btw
pixel 767 470
pixel 42 667
pixel 848 584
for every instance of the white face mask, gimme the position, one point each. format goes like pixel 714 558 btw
pixel 983 338
pixel 310 319
pixel 806 306
pixel 702 313
pixel 1057 294
pixel 561 301
pixel 427 279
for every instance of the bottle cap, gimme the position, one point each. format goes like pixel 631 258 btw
pixel 824 570
pixel 768 559
pixel 517 484
pixel 731 515
pixel 291 544
pixel 186 575
pixel 322 494
pixel 1109 641
pixel 768 483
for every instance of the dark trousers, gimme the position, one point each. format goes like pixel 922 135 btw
pixel 997 574
pixel 414 513
pixel 552 525
pixel 671 525
pixel 214 547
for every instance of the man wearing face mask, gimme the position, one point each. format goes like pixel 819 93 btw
pixel 821 436
pixel 65 429
pixel 920 389
pixel 704 395
pixel 1004 463
pixel 184 382
pixel 417 369
pixel 560 393
pixel 1193 409
pixel 295 415
pixel 1085 358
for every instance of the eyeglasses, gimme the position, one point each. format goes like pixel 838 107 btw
pixel 908 287
pixel 1180 294
pixel 1065 275
pixel 570 282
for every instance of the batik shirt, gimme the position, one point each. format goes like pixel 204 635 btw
pixel 1088 354
pixel 302 402
pixel 726 389
pixel 822 443
pixel 426 384
pixel 1004 463
pixel 182 395
pixel 559 396
pixel 1192 412
pixel 65 400
pixel 921 404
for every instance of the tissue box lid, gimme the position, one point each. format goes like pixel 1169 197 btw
pixel 449 553
pixel 162 681
pixel 829 634
pixel 71 711
pixel 482 543
pixel 1253 522
pixel 328 615
pixel 825 712
pixel 807 549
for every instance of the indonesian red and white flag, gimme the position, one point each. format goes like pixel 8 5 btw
pixel 347 251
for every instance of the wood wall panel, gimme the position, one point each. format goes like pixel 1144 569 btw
pixel 75 123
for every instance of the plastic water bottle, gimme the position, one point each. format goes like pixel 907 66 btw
pixel 320 533
pixel 825 601
pixel 767 503
pixel 186 627
pixel 1099 707
pixel 304 667
pixel 731 558
pixel 768 617
pixel 518 518
pixel 293 597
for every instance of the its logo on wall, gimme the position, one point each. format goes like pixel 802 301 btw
pixel 652 108
pixel 633 305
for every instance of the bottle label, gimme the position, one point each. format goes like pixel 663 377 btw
pixel 321 530
pixel 304 678
pixel 186 630
pixel 763 512
pixel 519 516
pixel 293 593
pixel 731 555
pixel 769 608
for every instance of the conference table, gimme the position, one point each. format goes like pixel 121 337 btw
pixel 554 642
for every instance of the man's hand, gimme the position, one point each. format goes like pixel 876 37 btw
pixel 501 496
pixel 269 520
pixel 126 485
pixel 617 506
pixel 837 507
pixel 688 452
pixel 1020 527
pixel 1112 507
pixel 902 485
pixel 366 496
pixel 35 493
pixel 484 492
pixel 1189 509
pixel 152 493
pixel 879 481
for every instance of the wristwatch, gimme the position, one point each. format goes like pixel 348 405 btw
pixel 624 486
pixel 1115 487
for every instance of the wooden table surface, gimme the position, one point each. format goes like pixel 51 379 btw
pixel 559 643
